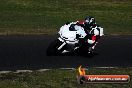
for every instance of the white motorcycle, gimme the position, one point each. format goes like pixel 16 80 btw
pixel 72 39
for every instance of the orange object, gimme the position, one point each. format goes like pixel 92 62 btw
pixel 101 78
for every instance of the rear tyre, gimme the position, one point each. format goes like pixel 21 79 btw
pixel 53 48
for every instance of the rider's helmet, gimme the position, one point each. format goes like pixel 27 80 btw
pixel 90 20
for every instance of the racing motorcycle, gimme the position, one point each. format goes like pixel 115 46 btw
pixel 72 39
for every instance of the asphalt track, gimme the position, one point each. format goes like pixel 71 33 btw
pixel 29 52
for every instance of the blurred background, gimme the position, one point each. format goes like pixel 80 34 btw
pixel 47 16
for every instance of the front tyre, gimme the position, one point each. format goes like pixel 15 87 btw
pixel 53 48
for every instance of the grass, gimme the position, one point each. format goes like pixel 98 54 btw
pixel 47 16
pixel 58 78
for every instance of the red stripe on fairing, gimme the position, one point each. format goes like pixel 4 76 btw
pixel 93 37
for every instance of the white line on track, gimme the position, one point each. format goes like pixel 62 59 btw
pixel 42 70
pixel 19 71
pixel 2 72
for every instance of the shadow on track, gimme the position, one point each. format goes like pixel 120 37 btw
pixel 77 54
pixel 29 52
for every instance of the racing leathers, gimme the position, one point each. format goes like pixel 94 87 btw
pixel 94 32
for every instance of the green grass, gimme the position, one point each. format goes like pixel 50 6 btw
pixel 57 78
pixel 47 16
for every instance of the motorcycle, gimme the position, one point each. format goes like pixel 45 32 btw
pixel 72 39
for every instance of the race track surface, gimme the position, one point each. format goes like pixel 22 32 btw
pixel 29 52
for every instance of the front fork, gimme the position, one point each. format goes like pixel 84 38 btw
pixel 62 45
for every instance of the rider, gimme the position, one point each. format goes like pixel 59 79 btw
pixel 92 29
